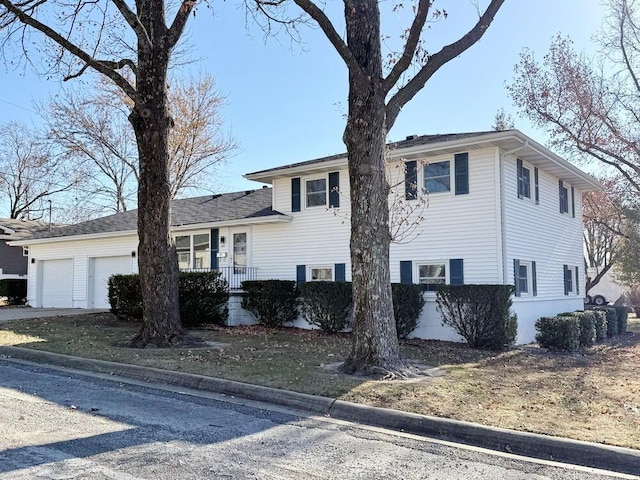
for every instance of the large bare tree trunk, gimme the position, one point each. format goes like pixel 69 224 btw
pixel 157 260
pixel 375 346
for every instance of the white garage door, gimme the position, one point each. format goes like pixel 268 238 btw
pixel 103 268
pixel 57 283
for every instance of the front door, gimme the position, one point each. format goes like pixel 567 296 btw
pixel 239 259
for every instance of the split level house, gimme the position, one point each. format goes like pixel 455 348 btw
pixel 484 208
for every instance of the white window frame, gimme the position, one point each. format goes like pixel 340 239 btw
pixel 326 191
pixel 25 251
pixel 192 250
pixel 452 176
pixel 574 280
pixel 311 268
pixel 528 265
pixel 424 263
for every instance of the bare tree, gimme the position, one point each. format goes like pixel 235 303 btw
pixel 590 107
pixel 100 35
pixel 91 124
pixel 375 99
pixel 30 172
pixel 503 121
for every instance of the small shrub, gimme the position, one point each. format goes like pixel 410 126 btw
pixel 600 324
pixel 408 301
pixel 326 305
pixel 612 320
pixel 586 323
pixel 621 316
pixel 15 289
pixel 558 333
pixel 632 298
pixel 272 302
pixel 479 313
pixel 203 298
pixel 125 296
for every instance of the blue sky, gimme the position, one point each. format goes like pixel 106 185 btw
pixel 287 103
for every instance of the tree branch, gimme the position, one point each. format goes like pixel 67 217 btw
pixel 410 46
pixel 336 40
pixel 437 60
pixel 134 22
pixel 71 48
pixel 180 20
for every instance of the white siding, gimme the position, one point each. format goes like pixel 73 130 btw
pixel 542 234
pixel 80 251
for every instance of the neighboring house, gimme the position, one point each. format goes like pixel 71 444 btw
pixel 13 260
pixel 502 209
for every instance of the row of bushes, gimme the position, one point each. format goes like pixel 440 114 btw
pixel 571 330
pixel 326 305
pixel 15 290
pixel 203 297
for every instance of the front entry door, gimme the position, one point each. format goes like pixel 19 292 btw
pixel 239 259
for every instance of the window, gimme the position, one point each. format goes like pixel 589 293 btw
pixel 571 279
pixel 525 182
pixel 432 274
pixel 25 251
pixel 437 177
pixel 321 274
pixel 193 251
pixel 523 278
pixel 564 198
pixel 239 253
pixel 316 192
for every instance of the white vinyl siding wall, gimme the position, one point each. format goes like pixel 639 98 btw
pixel 80 251
pixel 542 234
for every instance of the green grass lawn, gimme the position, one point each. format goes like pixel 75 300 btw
pixel 593 395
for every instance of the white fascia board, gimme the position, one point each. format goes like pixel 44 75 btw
pixel 269 175
pixel 179 228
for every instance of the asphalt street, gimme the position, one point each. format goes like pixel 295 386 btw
pixel 61 425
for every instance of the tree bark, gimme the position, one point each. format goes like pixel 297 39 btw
pixel 375 346
pixel 157 259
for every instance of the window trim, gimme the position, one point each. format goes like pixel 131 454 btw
pixel 192 249
pixel 326 191
pixel 452 185
pixel 532 191
pixel 422 263
pixel 310 269
pixel 528 265
pixel 575 277
pixel 25 251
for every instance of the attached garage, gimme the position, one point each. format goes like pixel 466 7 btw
pixel 56 283
pixel 100 269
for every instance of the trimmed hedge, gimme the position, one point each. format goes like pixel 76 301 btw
pixel 272 302
pixel 612 320
pixel 326 305
pixel 621 315
pixel 586 323
pixel 203 297
pixel 600 323
pixel 479 313
pixel 15 289
pixel 559 333
pixel 408 301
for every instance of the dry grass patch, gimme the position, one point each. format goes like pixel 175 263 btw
pixel 594 395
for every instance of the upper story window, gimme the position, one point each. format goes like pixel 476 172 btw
pixel 564 198
pixel 316 191
pixel 193 251
pixel 437 177
pixel 525 182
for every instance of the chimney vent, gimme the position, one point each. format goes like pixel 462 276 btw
pixel 411 137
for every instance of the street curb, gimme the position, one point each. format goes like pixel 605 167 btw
pixel 605 457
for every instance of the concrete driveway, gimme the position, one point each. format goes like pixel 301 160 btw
pixel 7 314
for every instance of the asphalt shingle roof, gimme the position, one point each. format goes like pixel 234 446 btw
pixel 410 141
pixel 184 211
pixel 23 228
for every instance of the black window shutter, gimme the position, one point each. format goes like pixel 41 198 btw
pixel 214 248
pixel 534 279
pixel 461 167
pixel 516 276
pixel 456 271
pixel 334 192
pixel 406 271
pixel 573 202
pixel 301 273
pixel 295 194
pixel 577 281
pixel 537 187
pixel 565 270
pixel 339 272
pixel 519 178
pixel 411 180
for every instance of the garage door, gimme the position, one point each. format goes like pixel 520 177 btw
pixel 57 283
pixel 103 268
